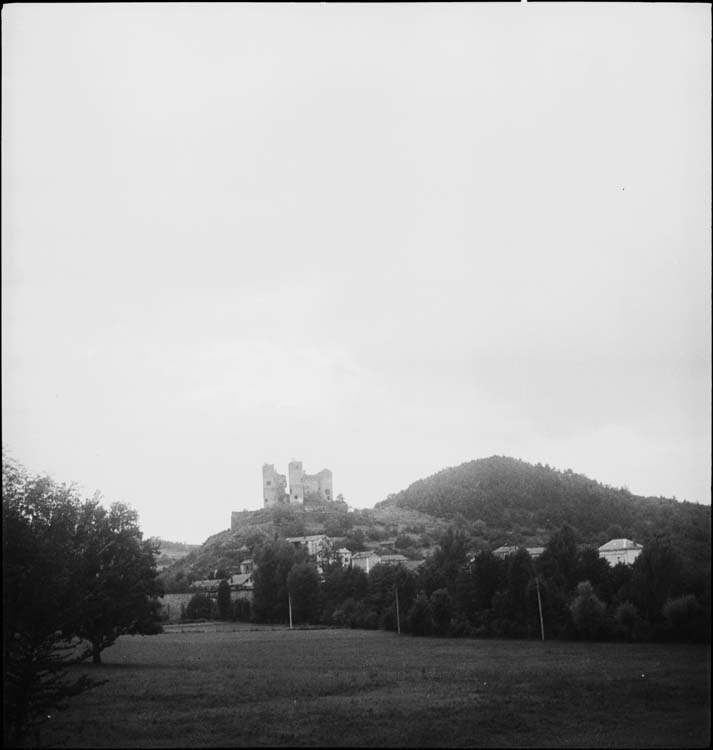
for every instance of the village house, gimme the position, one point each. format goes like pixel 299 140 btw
pixel 393 559
pixel 344 556
pixel 620 550
pixel 316 544
pixel 365 560
pixel 503 552
pixel 241 586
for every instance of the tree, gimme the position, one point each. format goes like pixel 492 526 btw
pixel 656 576
pixel 588 612
pixel 384 583
pixel 441 610
pixel 303 587
pixel 489 574
pixel 225 608
pixel 628 622
pixel 199 607
pixel 441 570
pixel 40 560
pixel 117 588
pixel 273 562
pixel 559 560
pixel 420 616
pixel 339 585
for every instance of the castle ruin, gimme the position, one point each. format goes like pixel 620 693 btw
pixel 303 486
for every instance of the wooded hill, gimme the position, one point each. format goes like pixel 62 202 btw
pixel 495 501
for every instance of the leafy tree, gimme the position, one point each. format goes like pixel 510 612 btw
pixel 273 562
pixel 199 607
pixel 404 541
pixel 40 560
pixel 685 619
pixel 117 587
pixel 420 616
pixel 303 587
pixel 628 621
pixel 384 582
pixel 338 524
pixel 442 568
pixel 241 610
pixel 559 560
pixel 588 612
pixel 441 611
pixel 225 607
pixel 339 585
pixel 656 576
pixel 489 575
pixel 354 541
pixel 595 569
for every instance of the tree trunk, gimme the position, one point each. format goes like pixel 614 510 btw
pixel 96 653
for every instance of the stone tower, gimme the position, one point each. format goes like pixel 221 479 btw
pixel 274 486
pixel 304 486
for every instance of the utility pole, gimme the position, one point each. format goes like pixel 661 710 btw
pixel 289 604
pixel 539 604
pixel 398 619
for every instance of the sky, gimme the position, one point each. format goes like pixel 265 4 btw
pixel 379 239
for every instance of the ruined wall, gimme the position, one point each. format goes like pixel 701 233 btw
pixel 274 486
pixel 295 472
pixel 303 485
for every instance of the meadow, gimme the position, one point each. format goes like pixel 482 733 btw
pixel 207 686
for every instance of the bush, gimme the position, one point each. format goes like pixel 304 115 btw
pixel 629 624
pixel 404 540
pixel 225 607
pixel 460 628
pixel 441 610
pixel 684 620
pixel 199 607
pixel 241 610
pixel 420 618
pixel 588 612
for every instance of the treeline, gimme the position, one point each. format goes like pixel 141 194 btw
pixel 506 498
pixel 75 577
pixel 569 592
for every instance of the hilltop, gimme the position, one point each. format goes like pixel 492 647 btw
pixel 495 501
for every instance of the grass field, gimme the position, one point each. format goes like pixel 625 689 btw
pixel 206 687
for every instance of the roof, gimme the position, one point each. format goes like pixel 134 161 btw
pixel 364 555
pixel 393 558
pixel 619 544
pixel 312 538
pixel 206 584
pixel 241 579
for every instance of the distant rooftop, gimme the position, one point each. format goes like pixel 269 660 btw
pixel 617 544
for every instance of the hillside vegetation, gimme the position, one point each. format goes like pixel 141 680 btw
pixel 493 501
pixel 506 500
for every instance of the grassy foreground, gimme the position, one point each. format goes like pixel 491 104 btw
pixel 246 687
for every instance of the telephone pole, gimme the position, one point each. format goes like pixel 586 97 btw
pixel 398 619
pixel 539 604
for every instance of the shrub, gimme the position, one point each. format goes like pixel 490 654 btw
pixel 684 619
pixel 629 624
pixel 420 618
pixel 199 607
pixel 441 610
pixel 588 612
pixel 225 608
pixel 241 610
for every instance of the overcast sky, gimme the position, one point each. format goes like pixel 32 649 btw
pixel 378 239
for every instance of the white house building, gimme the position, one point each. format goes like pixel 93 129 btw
pixel 620 550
